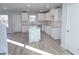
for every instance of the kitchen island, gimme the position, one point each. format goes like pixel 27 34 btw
pixel 34 34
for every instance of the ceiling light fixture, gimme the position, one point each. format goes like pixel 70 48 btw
pixel 28 5
pixel 5 8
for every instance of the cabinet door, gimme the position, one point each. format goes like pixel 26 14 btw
pixel 58 14
pixel 24 16
pixel 48 30
pixel 41 17
pixel 48 16
pixel 52 12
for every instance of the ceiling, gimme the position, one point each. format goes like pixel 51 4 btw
pixel 29 7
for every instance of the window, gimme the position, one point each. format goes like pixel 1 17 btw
pixel 4 19
pixel 32 18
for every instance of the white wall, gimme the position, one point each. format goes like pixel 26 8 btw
pixel 10 19
pixel 70 28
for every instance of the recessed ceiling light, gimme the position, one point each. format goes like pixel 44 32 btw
pixel 28 5
pixel 5 8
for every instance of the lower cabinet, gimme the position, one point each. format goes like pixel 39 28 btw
pixel 56 33
pixel 48 30
pixel 53 32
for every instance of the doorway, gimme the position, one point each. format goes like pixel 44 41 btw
pixel 4 20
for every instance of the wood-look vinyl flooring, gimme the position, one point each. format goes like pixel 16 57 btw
pixel 46 44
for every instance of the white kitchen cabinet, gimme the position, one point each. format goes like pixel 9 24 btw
pixel 52 12
pixel 48 17
pixel 48 30
pixel 24 16
pixel 58 14
pixel 56 33
pixel 52 31
pixel 41 17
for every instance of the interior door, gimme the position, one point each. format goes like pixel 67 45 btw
pixel 67 25
pixel 16 23
pixel 69 28
pixel 70 31
pixel 73 29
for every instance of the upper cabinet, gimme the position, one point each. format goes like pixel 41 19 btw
pixel 44 17
pixel 24 16
pixel 49 16
pixel 52 15
pixel 41 16
pixel 58 14
pixel 52 12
